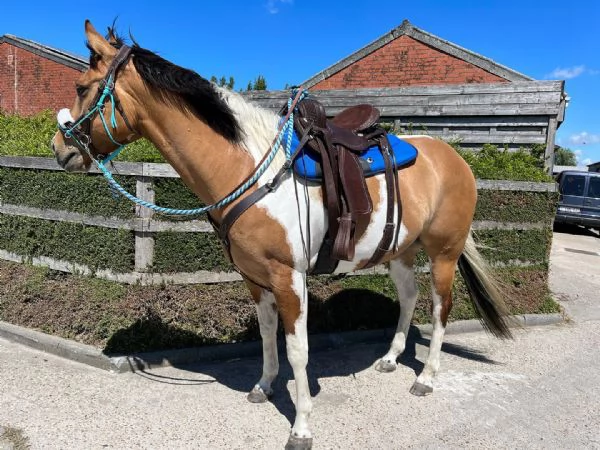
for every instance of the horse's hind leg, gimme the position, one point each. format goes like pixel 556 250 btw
pixel 267 320
pixel 443 269
pixel 402 272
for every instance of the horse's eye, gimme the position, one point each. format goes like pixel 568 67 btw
pixel 81 90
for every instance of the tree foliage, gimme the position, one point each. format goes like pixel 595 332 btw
pixel 223 82
pixel 564 156
pixel 259 84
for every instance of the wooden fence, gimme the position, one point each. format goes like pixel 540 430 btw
pixel 144 225
pixel 516 114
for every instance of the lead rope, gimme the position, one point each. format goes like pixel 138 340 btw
pixel 286 127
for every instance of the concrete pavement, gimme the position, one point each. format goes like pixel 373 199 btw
pixel 575 273
pixel 538 391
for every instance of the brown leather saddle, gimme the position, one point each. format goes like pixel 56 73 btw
pixel 339 141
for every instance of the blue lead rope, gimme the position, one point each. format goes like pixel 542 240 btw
pixel 287 128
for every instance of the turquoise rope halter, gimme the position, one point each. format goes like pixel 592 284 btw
pixel 286 128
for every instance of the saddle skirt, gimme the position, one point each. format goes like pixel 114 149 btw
pixel 307 165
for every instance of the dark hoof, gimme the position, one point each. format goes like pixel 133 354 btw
pixel 257 395
pixel 298 443
pixel 420 390
pixel 385 366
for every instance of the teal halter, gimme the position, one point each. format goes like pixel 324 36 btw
pixel 79 130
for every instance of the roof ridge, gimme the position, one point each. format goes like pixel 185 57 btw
pixel 406 28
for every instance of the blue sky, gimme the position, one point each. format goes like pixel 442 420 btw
pixel 288 41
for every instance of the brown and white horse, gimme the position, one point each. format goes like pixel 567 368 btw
pixel 215 139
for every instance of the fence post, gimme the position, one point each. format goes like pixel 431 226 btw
pixel 549 153
pixel 144 239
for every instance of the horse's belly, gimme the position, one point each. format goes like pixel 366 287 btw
pixel 369 241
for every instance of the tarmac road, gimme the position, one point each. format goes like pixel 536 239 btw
pixel 538 391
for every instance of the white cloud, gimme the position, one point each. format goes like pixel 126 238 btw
pixel 566 73
pixel 273 5
pixel 584 138
pixel 580 158
pixel 578 154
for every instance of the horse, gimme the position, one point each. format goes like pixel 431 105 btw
pixel 215 139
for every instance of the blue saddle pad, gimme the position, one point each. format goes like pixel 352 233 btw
pixel 308 164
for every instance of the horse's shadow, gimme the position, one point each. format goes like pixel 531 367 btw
pixel 241 374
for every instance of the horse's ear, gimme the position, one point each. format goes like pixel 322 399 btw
pixel 97 43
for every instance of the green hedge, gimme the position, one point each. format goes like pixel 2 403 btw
pixel 516 206
pixel 172 193
pixel 504 246
pixel 491 163
pixel 20 136
pixel 31 136
pixel 188 252
pixel 97 248
pixel 122 318
pixel 90 194
pixel 86 194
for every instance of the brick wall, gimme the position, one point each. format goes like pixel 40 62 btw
pixel 40 83
pixel 407 62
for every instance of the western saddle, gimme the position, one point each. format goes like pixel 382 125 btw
pixel 339 142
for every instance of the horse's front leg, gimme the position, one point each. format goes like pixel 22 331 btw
pixel 291 295
pixel 266 309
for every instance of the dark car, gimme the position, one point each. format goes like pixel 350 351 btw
pixel 579 202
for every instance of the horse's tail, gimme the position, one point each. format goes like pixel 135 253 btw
pixel 484 290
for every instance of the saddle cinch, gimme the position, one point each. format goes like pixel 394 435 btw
pixel 342 149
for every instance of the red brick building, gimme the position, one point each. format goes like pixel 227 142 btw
pixel 34 77
pixel 409 56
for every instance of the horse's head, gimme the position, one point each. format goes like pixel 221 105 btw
pixel 100 121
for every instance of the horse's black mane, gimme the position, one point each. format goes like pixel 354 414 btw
pixel 183 88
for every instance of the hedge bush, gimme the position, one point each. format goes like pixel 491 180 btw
pixel 97 248
pixel 85 194
pixel 31 137
pixel 188 252
pixel 516 206
pixel 508 246
pixel 491 163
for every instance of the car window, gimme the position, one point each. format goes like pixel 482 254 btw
pixel 572 185
pixel 594 187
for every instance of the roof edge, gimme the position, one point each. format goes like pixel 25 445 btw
pixel 467 55
pixel 408 29
pixel 67 59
